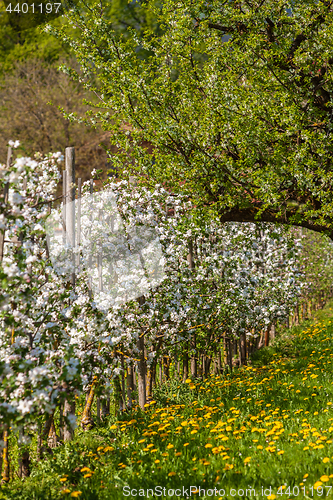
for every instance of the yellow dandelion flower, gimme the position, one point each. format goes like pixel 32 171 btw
pixel 171 474
pixel 85 469
pixel 112 428
pixel 141 441
pixel 208 445
pixel 157 461
pixel 186 444
pixel 324 478
pixel 170 446
pixel 87 475
pixel 65 491
pixel 317 484
pixel 271 497
pixel 281 452
pixel 76 494
pixel 259 447
pixel 325 460
pixel 305 476
pixel 63 479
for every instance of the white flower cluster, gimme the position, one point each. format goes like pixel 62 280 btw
pixel 54 338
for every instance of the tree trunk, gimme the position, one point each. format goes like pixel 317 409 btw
pixel 166 367
pixel 185 367
pixel 194 367
pixel 141 373
pixel 98 410
pixel 130 386
pixel 229 351
pixel 106 407
pixel 5 457
pixel 267 335
pixel 69 409
pixel 161 371
pixel 52 439
pixel 119 401
pixel 86 420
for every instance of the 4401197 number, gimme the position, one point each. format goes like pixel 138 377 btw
pixel 26 8
pixel 309 490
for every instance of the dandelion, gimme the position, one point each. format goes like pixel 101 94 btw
pixel 324 478
pixel 171 474
pixel 247 460
pixel 326 460
pixel 76 494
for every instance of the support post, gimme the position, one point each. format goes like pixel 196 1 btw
pixel 141 366
pixel 70 208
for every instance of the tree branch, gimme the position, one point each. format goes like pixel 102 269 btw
pixel 250 215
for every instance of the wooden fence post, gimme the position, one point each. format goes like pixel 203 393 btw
pixel 141 366
pixel 64 201
pixel 5 451
pixel 70 208
pixel 69 227
pixel 79 194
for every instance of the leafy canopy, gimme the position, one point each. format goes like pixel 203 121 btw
pixel 235 98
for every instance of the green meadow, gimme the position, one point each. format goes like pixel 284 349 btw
pixel 263 431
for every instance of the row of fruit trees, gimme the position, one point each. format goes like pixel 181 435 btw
pixel 144 283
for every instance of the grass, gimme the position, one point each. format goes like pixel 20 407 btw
pixel 267 426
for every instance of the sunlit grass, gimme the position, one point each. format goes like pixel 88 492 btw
pixel 263 426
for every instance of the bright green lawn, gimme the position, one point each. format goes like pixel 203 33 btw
pixel 264 426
